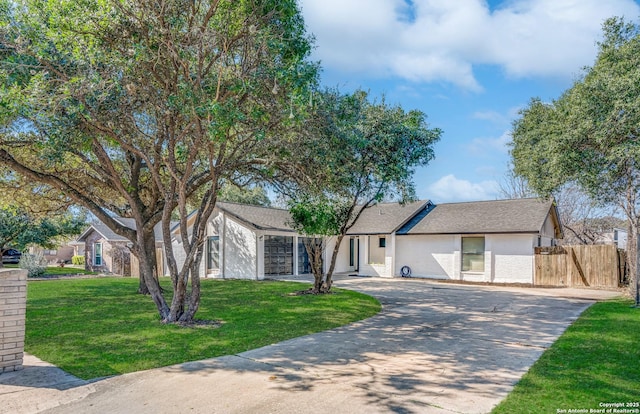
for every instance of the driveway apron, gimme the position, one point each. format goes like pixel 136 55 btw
pixel 434 348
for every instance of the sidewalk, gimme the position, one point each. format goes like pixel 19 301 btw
pixel 39 386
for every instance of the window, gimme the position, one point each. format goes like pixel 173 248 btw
pixel 49 252
pixel 382 242
pixel 213 253
pixel 97 254
pixel 473 254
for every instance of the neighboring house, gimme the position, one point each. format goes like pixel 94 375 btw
pixel 60 254
pixel 616 236
pixel 486 241
pixel 108 252
pixel 248 242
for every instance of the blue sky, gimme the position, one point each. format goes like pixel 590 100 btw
pixel 470 65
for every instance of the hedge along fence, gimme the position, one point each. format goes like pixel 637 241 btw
pixel 13 306
pixel 579 266
pixel 77 260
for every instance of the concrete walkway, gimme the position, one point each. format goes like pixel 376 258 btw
pixel 435 348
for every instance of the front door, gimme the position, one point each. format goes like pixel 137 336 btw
pixel 354 256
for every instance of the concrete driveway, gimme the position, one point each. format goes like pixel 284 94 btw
pixel 435 348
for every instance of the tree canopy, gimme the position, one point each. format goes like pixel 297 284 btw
pixel 137 107
pixel 590 134
pixel 19 229
pixel 356 153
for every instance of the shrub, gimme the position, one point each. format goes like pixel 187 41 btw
pixel 35 264
pixel 77 260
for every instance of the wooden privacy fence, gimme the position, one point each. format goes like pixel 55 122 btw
pixel 579 266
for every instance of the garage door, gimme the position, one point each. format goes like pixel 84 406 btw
pixel 278 255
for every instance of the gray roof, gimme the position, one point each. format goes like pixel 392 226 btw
pixel 502 216
pixel 386 218
pixel 261 218
pixel 111 236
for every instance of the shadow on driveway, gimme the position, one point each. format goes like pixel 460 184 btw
pixel 434 348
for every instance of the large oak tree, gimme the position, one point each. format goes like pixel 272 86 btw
pixel 136 107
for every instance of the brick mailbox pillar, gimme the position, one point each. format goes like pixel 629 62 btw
pixel 13 305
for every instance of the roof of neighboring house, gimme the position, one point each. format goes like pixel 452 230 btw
pixel 111 236
pixel 261 218
pixel 526 215
pixel 386 218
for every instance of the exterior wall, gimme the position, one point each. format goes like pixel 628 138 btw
pixel 427 256
pixel 548 234
pixel 508 258
pixel 116 257
pixel 369 250
pixel 342 260
pixel 61 254
pixel 512 257
pixel 240 251
pixel 13 305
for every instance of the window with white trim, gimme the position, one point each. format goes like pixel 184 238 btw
pixel 97 254
pixel 473 254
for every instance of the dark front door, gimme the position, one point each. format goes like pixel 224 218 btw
pixel 278 255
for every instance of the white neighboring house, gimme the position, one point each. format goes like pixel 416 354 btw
pixel 486 241
pixel 248 242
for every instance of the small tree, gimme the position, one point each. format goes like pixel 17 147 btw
pixel 356 154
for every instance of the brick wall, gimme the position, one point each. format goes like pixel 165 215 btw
pixel 13 304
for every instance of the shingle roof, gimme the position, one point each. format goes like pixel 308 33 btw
pixel 262 218
pixel 385 218
pixel 110 235
pixel 502 216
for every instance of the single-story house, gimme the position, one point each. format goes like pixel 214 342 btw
pixel 485 241
pixel 248 242
pixel 369 245
pixel 59 254
pixel 108 252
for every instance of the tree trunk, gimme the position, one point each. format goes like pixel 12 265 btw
pixel 332 265
pixel 147 257
pixel 142 286
pixel 194 298
pixel 632 259
pixel 314 252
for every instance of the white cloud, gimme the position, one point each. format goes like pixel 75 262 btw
pixel 442 40
pixel 451 189
pixel 479 146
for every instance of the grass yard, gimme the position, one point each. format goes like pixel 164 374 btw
pixel 99 327
pixel 597 360
pixel 57 270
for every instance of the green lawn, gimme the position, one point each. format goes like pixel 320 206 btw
pixel 98 327
pixel 597 360
pixel 61 271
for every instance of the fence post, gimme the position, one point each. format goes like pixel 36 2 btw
pixel 13 306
